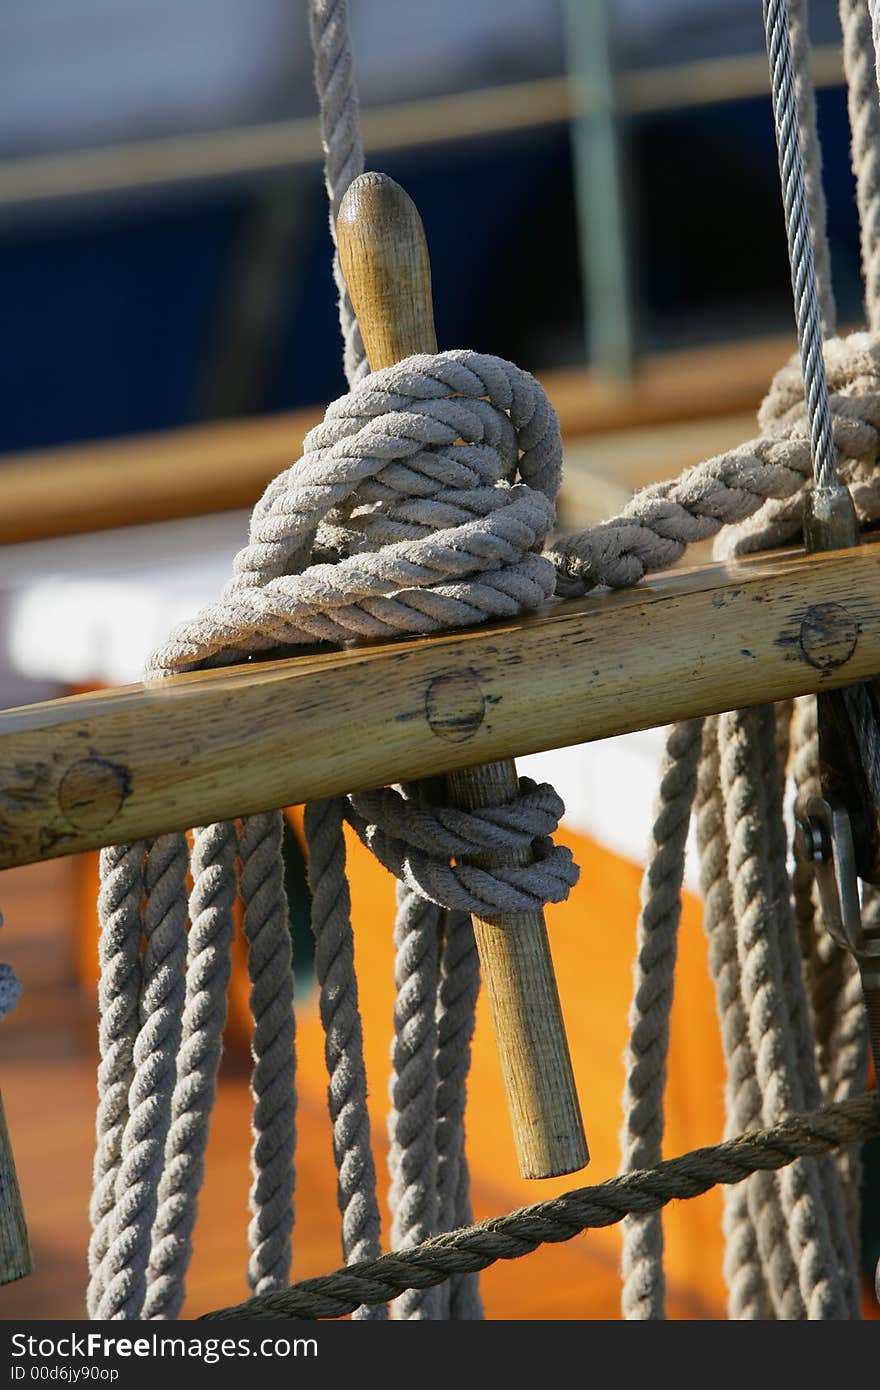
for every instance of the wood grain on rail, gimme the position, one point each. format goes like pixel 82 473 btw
pixel 111 766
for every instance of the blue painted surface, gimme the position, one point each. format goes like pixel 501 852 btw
pixel 107 324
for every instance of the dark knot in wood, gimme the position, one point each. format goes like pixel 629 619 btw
pixel 828 637
pixel 92 791
pixel 455 706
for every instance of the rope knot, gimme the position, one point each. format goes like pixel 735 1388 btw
pixel 421 502
pixel 429 847
pixel 659 523
pixel 852 366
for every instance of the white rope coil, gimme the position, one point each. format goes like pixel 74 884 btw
pixel 656 527
pixel 403 515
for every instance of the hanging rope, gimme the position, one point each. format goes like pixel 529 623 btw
pixel 805 109
pixel 800 242
pixel 864 120
pixel 341 142
pixel 119 905
pixel 788 1247
pixel 204 1016
pixel 653 984
pixel 343 1037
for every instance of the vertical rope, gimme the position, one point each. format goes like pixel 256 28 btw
pixel 805 95
pixel 748 752
pixel 424 1078
pixel 343 1039
pixel 754 1256
pixel 204 1017
pixel 653 980
pixel 270 967
pixel 412 1157
pixel 459 1298
pixel 799 1025
pixel 864 120
pixel 149 1101
pixel 119 986
pixel 341 141
pixel 800 244
pixel 331 911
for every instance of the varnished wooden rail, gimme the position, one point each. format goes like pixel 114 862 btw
pixel 115 765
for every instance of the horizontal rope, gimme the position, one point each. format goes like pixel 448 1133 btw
pixel 520 1232
pixel 655 528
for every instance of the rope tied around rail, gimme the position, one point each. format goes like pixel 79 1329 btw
pixel 761 480
pixel 403 515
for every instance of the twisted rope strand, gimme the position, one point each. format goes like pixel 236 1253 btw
pixel 762 479
pixel 751 1218
pixel 149 1102
pixel 559 1219
pixel 643 1294
pixel 412 1156
pixel 800 241
pixel 421 847
pixel 343 1038
pixel 456 1007
pixel 805 94
pixel 204 1017
pixel 803 1047
pixel 270 967
pixel 397 429
pixel 748 744
pixel 119 986
pixel 864 121
pixel 341 142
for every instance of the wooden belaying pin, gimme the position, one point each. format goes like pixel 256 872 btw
pixel 385 261
pixel 15 1250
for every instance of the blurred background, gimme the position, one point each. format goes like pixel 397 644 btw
pixel 165 254
pixel 170 332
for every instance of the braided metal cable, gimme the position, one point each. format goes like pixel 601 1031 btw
pixel 805 94
pixel 800 247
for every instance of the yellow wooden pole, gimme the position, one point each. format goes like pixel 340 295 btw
pixel 385 261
